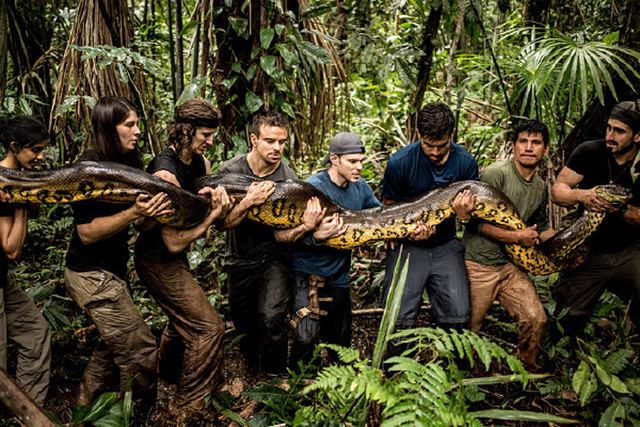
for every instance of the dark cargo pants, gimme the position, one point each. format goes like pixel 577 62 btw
pixel 128 347
pixel 191 344
pixel 259 304
pixel 22 323
pixel 333 328
pixel 579 289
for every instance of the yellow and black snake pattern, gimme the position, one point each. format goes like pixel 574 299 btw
pixel 285 207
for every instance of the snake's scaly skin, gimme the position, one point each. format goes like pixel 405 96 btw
pixel 116 183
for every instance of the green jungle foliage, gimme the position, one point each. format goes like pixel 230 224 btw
pixel 333 66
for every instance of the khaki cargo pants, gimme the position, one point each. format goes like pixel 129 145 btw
pixel 128 347
pixel 22 323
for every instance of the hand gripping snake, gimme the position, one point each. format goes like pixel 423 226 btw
pixel 117 183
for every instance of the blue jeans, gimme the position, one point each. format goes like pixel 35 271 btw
pixel 441 270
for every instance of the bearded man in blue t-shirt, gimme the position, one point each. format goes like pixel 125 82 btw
pixel 436 256
pixel 321 293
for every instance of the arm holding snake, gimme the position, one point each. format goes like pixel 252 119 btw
pixel 564 192
pixel 257 194
pixel 176 239
pixel 103 227
pixel 312 216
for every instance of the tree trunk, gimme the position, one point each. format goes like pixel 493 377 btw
pixel 20 405
pixel 179 50
pixel 97 23
pixel 429 33
pixel 4 47
pixel 535 11
pixel 172 50
pixel 452 49
pixel 30 35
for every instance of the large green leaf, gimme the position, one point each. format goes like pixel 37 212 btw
pixel 268 64
pixel 612 415
pixel 314 52
pixel 584 382
pixel 239 25
pixel 253 102
pixel 100 406
pixel 266 36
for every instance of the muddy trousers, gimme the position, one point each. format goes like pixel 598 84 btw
pixel 513 289
pixel 579 289
pixel 332 326
pixel 127 348
pixel 259 305
pixel 22 323
pixel 191 345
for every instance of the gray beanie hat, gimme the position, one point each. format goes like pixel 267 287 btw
pixel 344 143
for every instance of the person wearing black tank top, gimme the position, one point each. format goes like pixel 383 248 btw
pixel 191 345
pixel 614 258
pixel 96 273
pixel 21 322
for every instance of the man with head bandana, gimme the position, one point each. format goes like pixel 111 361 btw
pixel 614 258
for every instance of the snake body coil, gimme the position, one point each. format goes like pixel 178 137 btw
pixel 106 181
pixel 116 183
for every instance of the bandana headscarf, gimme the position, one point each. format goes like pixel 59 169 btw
pixel 628 112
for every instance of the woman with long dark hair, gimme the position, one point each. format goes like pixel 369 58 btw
pixel 24 139
pixel 97 261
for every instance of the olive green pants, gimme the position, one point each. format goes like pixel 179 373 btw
pixel 22 323
pixel 128 347
pixel 513 289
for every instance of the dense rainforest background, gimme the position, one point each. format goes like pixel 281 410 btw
pixel 335 65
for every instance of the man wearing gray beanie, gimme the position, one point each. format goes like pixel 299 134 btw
pixel 321 293
pixel 614 258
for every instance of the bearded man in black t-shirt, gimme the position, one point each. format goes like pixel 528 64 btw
pixel 614 259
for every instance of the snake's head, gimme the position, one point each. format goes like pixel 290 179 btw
pixel 614 194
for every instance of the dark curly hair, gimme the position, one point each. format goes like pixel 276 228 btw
pixel 25 131
pixel 189 116
pixel 436 121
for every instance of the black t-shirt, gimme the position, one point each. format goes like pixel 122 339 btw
pixel 150 247
pixel 251 243
pixel 110 254
pixel 6 209
pixel 592 160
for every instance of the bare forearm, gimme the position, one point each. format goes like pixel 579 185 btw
pixel 563 195
pixel 632 215
pixel 547 234
pixel 178 240
pixel 290 235
pixel 104 227
pixel 498 233
pixel 235 216
pixel 12 243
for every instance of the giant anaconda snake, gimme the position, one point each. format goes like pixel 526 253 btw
pixel 116 183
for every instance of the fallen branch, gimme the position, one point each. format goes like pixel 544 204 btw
pixel 20 405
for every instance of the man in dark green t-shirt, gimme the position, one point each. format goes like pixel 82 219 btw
pixel 491 275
